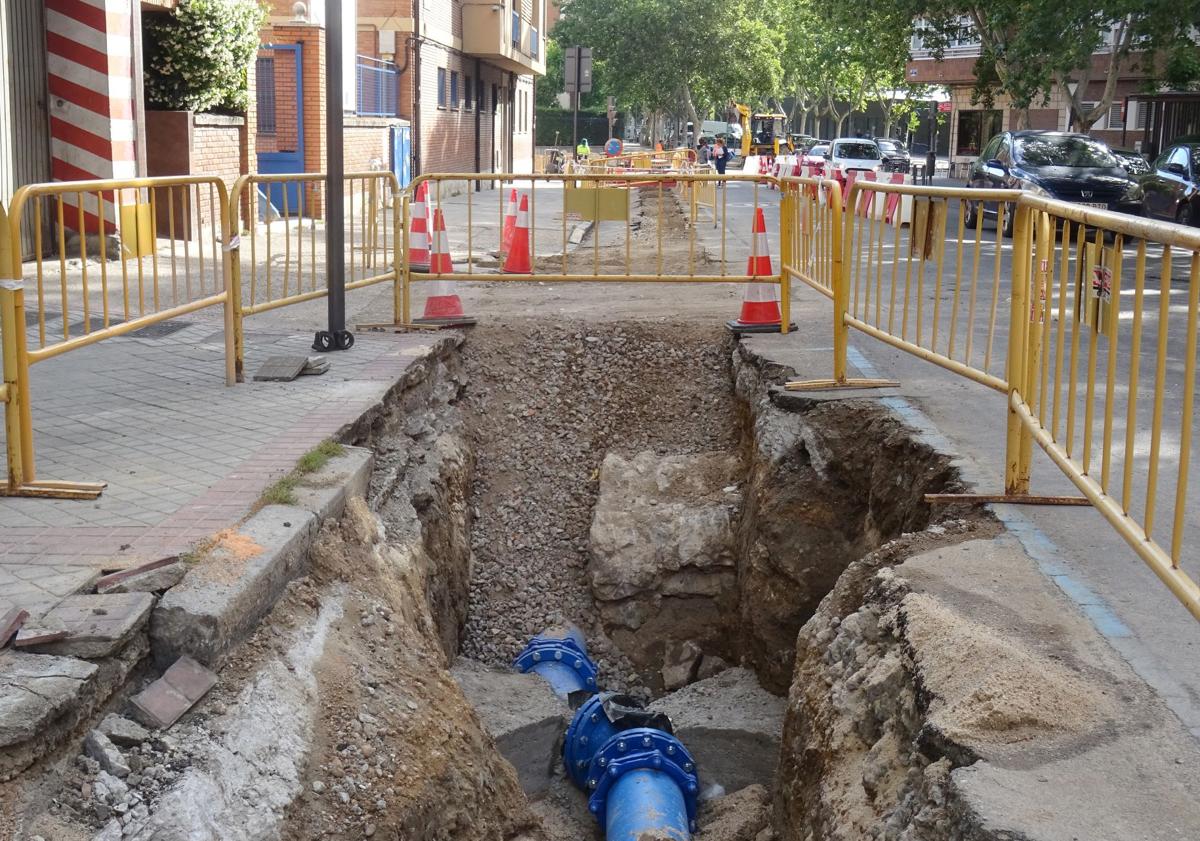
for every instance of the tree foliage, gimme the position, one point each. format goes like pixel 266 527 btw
pixel 198 56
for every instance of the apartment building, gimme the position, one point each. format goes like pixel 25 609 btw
pixel 466 74
pixel 971 125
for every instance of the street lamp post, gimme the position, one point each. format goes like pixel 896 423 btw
pixel 336 336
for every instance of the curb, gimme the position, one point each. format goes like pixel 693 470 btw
pixel 221 599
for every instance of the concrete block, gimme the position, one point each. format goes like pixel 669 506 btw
pixel 100 748
pixel 34 689
pixel 123 732
pixel 325 491
pixel 225 594
pixel 10 623
pixel 732 727
pixel 96 625
pixel 523 716
pixel 154 577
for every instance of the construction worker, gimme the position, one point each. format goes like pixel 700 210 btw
pixel 583 150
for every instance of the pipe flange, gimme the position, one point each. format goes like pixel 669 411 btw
pixel 587 732
pixel 564 650
pixel 642 748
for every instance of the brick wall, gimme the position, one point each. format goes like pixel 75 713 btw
pixel 366 143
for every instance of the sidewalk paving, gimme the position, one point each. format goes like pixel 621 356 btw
pixel 184 455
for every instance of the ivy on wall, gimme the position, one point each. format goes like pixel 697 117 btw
pixel 197 57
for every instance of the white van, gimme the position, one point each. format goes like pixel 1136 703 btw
pixel 853 153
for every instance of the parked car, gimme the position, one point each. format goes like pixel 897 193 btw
pixel 1135 163
pixel 1070 167
pixel 895 156
pixel 1173 186
pixel 848 154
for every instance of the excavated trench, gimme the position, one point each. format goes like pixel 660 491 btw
pixel 641 481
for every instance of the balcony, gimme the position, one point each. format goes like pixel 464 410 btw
pixel 496 33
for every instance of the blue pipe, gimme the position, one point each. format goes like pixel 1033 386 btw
pixel 640 780
pixel 559 655
pixel 646 801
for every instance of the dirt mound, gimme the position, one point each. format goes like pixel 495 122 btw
pixel 992 689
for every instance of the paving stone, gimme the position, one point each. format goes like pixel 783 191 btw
pixel 100 748
pixel 35 688
pixel 280 369
pixel 97 625
pixel 10 623
pixel 123 732
pixel 157 580
pixel 164 701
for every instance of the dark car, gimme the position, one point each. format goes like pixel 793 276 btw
pixel 1173 187
pixel 1070 167
pixel 1135 163
pixel 895 156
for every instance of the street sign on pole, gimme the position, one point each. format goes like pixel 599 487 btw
pixel 577 78
pixel 336 336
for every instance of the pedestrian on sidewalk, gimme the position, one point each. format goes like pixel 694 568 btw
pixel 703 152
pixel 720 157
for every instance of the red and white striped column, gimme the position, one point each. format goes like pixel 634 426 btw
pixel 89 48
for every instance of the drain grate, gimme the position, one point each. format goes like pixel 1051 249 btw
pixel 160 330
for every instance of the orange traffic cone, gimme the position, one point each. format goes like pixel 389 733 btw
pixel 518 261
pixel 443 307
pixel 760 306
pixel 418 237
pixel 510 223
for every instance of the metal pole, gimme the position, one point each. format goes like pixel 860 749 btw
pixel 575 103
pixel 336 337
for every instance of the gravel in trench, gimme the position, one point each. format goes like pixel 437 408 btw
pixel 546 402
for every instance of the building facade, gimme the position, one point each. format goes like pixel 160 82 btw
pixel 971 124
pixel 467 70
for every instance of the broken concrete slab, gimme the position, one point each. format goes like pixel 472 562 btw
pixel 100 748
pixel 225 594
pixel 153 577
pixel 96 625
pixel 34 689
pixel 71 691
pixel 523 716
pixel 164 701
pixel 123 732
pixel 731 725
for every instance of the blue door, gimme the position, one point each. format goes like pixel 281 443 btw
pixel 280 92
pixel 402 154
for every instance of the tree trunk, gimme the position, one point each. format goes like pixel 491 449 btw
pixel 690 105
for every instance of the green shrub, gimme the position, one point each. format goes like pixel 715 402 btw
pixel 198 56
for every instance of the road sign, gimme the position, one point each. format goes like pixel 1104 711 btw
pixel 945 107
pixel 577 70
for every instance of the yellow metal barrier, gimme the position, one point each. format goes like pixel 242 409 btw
pixel 1105 309
pixel 602 200
pixel 1073 331
pixel 279 259
pixel 77 303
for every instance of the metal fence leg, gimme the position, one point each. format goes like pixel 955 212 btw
pixel 1016 467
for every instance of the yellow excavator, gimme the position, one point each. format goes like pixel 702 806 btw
pixel 764 133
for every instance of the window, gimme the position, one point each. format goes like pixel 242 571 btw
pixel 480 96
pixel 992 149
pixel 441 87
pixel 1004 153
pixel 495 97
pixel 1179 156
pixel 454 101
pixel 1141 110
pixel 975 128
pixel 468 94
pixel 1116 115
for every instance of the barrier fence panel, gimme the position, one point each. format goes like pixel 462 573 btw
pixel 816 229
pixel 117 256
pixel 279 258
pixel 929 279
pixel 609 226
pixel 1104 373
